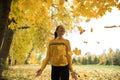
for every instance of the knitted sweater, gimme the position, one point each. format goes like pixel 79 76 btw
pixel 58 53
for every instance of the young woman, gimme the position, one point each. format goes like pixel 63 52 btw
pixel 59 55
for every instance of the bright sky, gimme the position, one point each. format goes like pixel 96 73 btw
pixel 108 37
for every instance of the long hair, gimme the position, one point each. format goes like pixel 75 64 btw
pixel 55 33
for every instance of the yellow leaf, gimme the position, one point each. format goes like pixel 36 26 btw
pixel 91 30
pixel 87 20
pixel 81 29
pixel 85 42
pixel 61 2
pixel 76 51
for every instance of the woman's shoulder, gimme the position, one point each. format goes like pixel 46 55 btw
pixel 66 40
pixel 58 40
pixel 52 40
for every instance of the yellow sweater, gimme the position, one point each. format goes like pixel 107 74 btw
pixel 58 53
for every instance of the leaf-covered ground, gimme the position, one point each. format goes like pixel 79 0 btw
pixel 86 72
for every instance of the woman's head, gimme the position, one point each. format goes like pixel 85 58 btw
pixel 59 32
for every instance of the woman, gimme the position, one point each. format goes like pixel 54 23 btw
pixel 59 55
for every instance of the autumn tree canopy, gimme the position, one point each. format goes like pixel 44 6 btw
pixel 42 16
pixel 53 12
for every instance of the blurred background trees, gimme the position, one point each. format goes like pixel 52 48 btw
pixel 107 58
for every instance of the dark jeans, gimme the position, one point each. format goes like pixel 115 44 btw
pixel 60 73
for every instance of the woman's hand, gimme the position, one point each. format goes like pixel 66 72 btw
pixel 38 73
pixel 74 75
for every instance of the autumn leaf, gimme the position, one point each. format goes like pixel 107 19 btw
pixel 87 20
pixel 61 2
pixel 81 29
pixel 77 51
pixel 91 30
pixel 98 42
pixel 113 26
pixel 85 75
pixel 85 42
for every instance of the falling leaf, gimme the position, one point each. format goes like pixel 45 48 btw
pixel 98 42
pixel 81 29
pixel 85 42
pixel 91 30
pixel 114 26
pixel 77 51
pixel 85 75
pixel 87 20
pixel 61 2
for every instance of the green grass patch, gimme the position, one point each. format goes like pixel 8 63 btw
pixel 99 66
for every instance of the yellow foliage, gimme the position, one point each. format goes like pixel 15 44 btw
pixel 36 10
pixel 12 26
pixel 38 14
pixel 48 3
pixel 33 60
pixel 59 16
pixel 118 6
pixel 93 73
pixel 61 2
pixel 84 76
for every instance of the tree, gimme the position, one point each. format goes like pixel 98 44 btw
pixel 89 61
pixel 96 60
pixel 6 34
pixel 110 57
pixel 84 60
pixel 116 59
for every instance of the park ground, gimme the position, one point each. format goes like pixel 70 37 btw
pixel 86 72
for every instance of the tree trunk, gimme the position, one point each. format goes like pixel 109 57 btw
pixel 5 33
pixel 29 54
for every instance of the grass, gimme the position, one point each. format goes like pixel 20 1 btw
pixel 100 66
pixel 86 72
